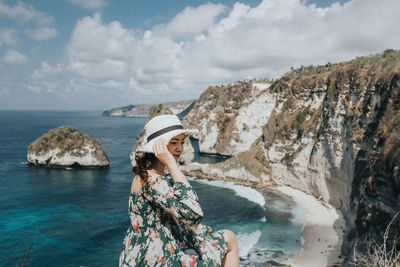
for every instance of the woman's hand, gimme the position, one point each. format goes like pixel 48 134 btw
pixel 162 154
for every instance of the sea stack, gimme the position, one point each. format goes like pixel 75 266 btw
pixel 64 147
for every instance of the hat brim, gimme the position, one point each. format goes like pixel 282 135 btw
pixel 148 147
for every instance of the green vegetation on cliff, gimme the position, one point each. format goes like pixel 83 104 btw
pixel 68 140
pixel 160 110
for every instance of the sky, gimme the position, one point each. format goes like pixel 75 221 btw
pixel 102 54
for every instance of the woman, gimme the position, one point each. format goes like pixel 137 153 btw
pixel 164 211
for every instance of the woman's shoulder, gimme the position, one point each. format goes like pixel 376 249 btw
pixel 137 184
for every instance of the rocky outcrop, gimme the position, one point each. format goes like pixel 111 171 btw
pixel 228 117
pixel 331 131
pixel 146 109
pixel 67 147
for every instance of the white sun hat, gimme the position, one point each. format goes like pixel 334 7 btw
pixel 162 126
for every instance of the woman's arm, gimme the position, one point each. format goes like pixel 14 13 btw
pixel 178 200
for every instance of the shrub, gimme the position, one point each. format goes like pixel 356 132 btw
pixel 378 255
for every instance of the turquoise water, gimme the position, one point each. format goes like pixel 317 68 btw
pixel 202 157
pixel 79 217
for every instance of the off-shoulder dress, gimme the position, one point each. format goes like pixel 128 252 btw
pixel 165 228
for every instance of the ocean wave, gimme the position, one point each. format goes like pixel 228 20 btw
pixel 299 217
pixel 240 190
pixel 246 242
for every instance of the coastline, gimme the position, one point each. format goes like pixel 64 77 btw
pixel 322 233
pixel 324 226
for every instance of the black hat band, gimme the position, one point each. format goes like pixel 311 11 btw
pixel 163 131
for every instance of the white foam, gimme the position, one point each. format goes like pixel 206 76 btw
pixel 263 219
pixel 299 217
pixel 309 209
pixel 240 190
pixel 246 242
pixel 24 163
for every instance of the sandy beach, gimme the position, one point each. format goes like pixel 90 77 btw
pixel 322 233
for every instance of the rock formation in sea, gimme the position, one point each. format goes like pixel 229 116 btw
pixel 144 110
pixel 187 155
pixel 65 146
pixel 332 131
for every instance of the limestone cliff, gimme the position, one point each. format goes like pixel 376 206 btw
pixel 228 117
pixel 331 131
pixel 67 147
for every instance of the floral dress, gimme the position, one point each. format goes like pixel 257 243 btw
pixel 165 228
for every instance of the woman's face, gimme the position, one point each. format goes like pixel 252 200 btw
pixel 175 145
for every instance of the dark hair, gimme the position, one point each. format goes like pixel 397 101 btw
pixel 144 162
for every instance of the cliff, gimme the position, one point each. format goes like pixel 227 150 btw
pixel 65 146
pixel 228 118
pixel 331 131
pixel 146 109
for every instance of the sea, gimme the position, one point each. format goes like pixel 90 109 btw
pixel 78 217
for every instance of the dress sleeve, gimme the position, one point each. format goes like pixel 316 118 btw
pixel 178 200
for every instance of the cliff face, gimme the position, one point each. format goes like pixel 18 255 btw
pixel 228 117
pixel 67 147
pixel 332 131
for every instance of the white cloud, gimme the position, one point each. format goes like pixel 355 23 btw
pixel 99 51
pixel 173 62
pixel 14 57
pixel 47 70
pixel 8 37
pixel 42 33
pixel 25 13
pixel 191 21
pixel 44 87
pixel 89 4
